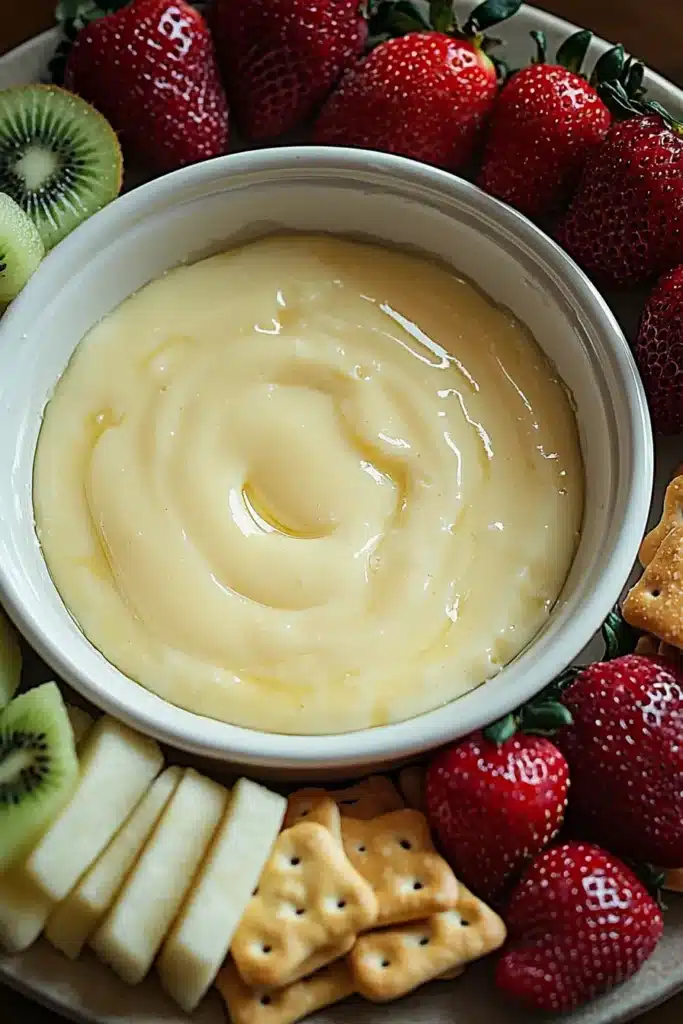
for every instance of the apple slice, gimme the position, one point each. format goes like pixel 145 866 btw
pixel 132 934
pixel 117 767
pixel 24 909
pixel 74 920
pixel 81 722
pixel 200 938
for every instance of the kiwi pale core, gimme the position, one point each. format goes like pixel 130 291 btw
pixel 309 485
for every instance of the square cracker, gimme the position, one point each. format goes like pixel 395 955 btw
pixel 310 902
pixel 366 799
pixel 286 1005
pixel 672 516
pixel 655 603
pixel 324 812
pixel 388 964
pixel 395 853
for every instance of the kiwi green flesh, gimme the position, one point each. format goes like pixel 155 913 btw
pixel 60 160
pixel 21 250
pixel 10 660
pixel 38 769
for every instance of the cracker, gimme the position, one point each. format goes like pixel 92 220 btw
pixel 388 964
pixel 286 1005
pixel 412 782
pixel 672 516
pixel 655 603
pixel 367 799
pixel 673 880
pixel 310 901
pixel 323 811
pixel 396 855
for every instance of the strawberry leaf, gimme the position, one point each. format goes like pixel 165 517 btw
pixel 441 16
pixel 395 18
pixel 72 16
pixel 544 718
pixel 610 66
pixel 572 53
pixel 619 637
pixel 502 730
pixel 490 13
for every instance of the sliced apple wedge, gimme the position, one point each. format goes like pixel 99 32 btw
pixel 81 722
pixel 199 941
pixel 24 909
pixel 132 933
pixel 74 920
pixel 117 767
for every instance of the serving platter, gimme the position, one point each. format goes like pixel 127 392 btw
pixel 86 991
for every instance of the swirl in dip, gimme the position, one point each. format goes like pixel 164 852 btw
pixel 309 485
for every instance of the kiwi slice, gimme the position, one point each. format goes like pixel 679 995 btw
pixel 10 651
pixel 21 250
pixel 60 160
pixel 38 768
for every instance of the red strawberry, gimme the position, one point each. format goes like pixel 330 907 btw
pixel 545 121
pixel 424 95
pixel 659 352
pixel 623 225
pixel 625 756
pixel 281 58
pixel 150 69
pixel 495 805
pixel 579 922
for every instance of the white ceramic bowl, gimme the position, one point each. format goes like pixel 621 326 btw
pixel 199 210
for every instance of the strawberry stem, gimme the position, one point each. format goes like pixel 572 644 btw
pixel 541 47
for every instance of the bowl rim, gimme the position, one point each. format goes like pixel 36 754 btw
pixel 183 729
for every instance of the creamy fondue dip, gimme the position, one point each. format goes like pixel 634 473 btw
pixel 309 485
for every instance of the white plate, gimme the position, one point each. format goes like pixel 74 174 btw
pixel 86 991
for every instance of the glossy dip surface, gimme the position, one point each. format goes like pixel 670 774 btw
pixel 309 485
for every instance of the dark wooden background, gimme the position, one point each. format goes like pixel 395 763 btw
pixel 650 29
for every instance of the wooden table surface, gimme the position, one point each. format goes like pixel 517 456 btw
pixel 651 29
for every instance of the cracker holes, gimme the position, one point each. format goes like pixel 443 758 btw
pixel 361 848
pixel 300 911
pixel 424 941
pixel 417 885
pixel 266 949
pixel 464 923
pixel 295 861
pixel 385 963
pixel 656 592
pixel 265 1000
pixel 341 904
pixel 405 844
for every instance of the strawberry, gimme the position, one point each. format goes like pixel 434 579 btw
pixel 495 800
pixel 281 58
pixel 623 224
pixel 150 69
pixel 579 923
pixel 424 95
pixel 625 756
pixel 544 123
pixel 659 352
